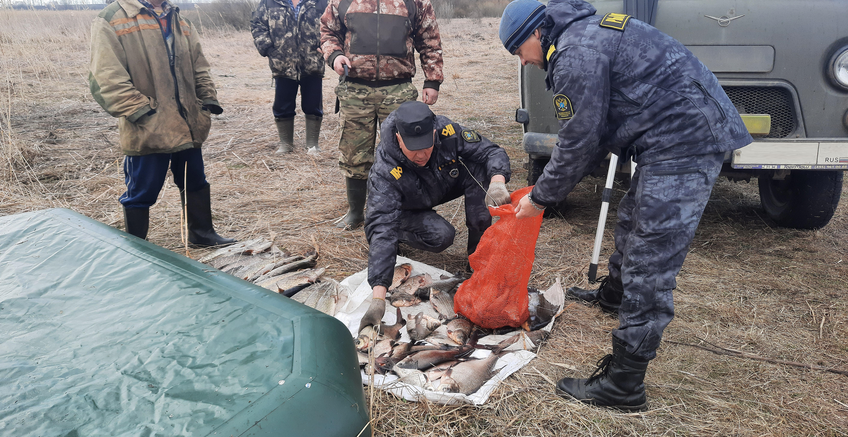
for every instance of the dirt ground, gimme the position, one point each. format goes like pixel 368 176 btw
pixel 747 288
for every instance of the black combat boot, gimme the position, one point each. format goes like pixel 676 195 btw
pixel 608 295
pixel 356 192
pixel 198 207
pixel 618 382
pixel 137 221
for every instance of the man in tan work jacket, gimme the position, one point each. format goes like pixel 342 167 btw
pixel 147 69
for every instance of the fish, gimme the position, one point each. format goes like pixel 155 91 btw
pixel 242 265
pixel 393 331
pixel 383 348
pixel 289 281
pixel 399 352
pixel 542 311
pixel 400 300
pixel 468 376
pixel 270 266
pixel 401 274
pixel 428 358
pixel 535 337
pixel 449 284
pixel 437 372
pixel 459 329
pixel 411 376
pixel 304 262
pixel 442 302
pixel 366 338
pixel 420 326
pixel 248 247
pixel 325 295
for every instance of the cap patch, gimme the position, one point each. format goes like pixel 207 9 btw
pixel 562 107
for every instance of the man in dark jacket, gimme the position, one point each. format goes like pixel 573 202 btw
pixel 288 33
pixel 621 86
pixel 376 41
pixel 423 161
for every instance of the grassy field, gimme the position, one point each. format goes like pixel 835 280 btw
pixel 769 303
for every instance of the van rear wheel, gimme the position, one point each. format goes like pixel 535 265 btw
pixel 804 199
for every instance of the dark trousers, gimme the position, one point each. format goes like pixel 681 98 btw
pixel 657 219
pixel 425 229
pixel 145 175
pixel 311 102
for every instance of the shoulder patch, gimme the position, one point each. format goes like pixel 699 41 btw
pixel 551 51
pixel 562 107
pixel 397 172
pixel 470 136
pixel 615 21
pixel 448 131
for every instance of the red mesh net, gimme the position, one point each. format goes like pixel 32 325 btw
pixel 496 294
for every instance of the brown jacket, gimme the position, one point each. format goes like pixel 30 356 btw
pixel 130 75
pixel 380 45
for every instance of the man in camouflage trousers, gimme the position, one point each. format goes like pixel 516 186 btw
pixel 375 41
pixel 621 86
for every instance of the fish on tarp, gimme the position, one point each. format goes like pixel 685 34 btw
pixel 435 374
pixel 468 376
pixel 442 302
pixel 296 264
pixel 459 329
pixel 402 300
pixel 248 247
pixel 285 283
pixel 272 264
pixel 401 274
pixel 413 283
pixel 393 331
pixel 523 339
pixel 424 360
pixel 420 326
pixel 325 295
pixel 406 294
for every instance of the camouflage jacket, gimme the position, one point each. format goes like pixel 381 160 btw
pixel 291 44
pixel 396 184
pixel 131 75
pixel 380 44
pixel 621 85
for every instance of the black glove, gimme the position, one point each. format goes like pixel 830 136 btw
pixel 213 108
pixel 374 314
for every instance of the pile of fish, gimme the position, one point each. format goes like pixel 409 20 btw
pixel 261 262
pixel 430 346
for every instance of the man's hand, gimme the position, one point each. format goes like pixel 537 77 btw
pixel 497 194
pixel 429 95
pixel 339 63
pixel 374 314
pixel 526 209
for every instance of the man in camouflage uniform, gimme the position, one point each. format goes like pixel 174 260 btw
pixel 287 32
pixel 423 161
pixel 621 86
pixel 375 40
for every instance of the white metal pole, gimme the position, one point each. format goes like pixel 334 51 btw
pixel 602 220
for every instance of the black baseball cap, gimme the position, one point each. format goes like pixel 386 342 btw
pixel 415 123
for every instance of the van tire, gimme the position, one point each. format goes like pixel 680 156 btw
pixel 535 168
pixel 804 199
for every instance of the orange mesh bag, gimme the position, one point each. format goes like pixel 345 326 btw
pixel 496 294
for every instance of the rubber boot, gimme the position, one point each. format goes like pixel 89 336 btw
pixel 608 295
pixel 285 128
pixel 198 207
pixel 137 221
pixel 618 382
pixel 357 190
pixel 313 130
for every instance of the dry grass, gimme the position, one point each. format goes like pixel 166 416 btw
pixel 746 285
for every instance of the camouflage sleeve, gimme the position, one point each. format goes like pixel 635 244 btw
pixel 260 30
pixel 332 33
pixel 203 84
pixel 581 97
pixel 483 151
pixel 428 42
pixel 109 81
pixel 381 230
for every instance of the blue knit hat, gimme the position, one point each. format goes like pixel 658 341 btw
pixel 520 18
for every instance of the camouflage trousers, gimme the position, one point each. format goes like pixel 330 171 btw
pixel 657 219
pixel 361 107
pixel 425 229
